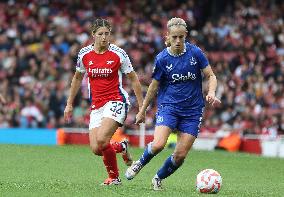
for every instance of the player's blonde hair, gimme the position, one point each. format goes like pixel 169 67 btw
pixel 174 22
pixel 100 23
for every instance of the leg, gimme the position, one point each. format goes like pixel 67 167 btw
pixel 117 111
pixel 119 147
pixel 103 124
pixel 95 124
pixel 161 135
pixel 166 121
pixel 189 128
pixel 93 141
pixel 173 162
pixel 104 134
pixel 184 144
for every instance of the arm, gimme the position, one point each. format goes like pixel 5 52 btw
pixel 212 85
pixel 136 86
pixel 152 91
pixel 75 85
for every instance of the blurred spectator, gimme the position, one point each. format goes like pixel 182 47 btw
pixel 31 116
pixel 2 99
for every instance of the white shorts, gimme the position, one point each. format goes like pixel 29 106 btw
pixel 115 110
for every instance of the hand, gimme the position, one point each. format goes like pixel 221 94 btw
pixel 212 100
pixel 140 117
pixel 2 99
pixel 68 113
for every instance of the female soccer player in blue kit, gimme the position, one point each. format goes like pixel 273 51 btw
pixel 177 79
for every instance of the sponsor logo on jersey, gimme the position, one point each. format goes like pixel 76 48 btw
pixel 170 67
pixel 110 62
pixel 100 72
pixel 181 77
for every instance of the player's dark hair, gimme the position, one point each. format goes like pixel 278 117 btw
pixel 100 23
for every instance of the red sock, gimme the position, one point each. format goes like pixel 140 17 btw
pixel 109 159
pixel 117 147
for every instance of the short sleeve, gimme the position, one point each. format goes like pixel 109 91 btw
pixel 79 65
pixel 157 70
pixel 126 66
pixel 202 59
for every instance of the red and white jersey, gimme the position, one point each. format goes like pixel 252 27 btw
pixel 104 73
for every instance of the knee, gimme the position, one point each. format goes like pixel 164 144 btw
pixel 96 150
pixel 157 147
pixel 98 146
pixel 102 143
pixel 179 158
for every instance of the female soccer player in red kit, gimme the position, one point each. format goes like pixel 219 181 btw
pixel 104 64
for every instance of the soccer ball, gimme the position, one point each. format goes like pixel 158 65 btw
pixel 208 181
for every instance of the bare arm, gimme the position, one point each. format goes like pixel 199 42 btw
pixel 212 85
pixel 151 93
pixel 75 85
pixel 136 87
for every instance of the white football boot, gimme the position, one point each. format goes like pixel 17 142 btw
pixel 133 170
pixel 157 183
pixel 110 181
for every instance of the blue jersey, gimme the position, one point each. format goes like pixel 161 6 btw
pixel 180 78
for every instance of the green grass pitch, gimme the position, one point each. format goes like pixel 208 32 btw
pixel 74 171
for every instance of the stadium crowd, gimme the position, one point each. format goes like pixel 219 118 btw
pixel 244 41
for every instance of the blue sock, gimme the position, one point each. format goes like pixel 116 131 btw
pixel 147 155
pixel 168 168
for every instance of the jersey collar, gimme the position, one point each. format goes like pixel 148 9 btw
pixel 177 55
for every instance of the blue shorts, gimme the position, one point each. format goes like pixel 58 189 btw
pixel 177 119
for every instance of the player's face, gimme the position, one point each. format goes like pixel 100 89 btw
pixel 177 36
pixel 102 36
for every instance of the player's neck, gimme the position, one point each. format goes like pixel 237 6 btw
pixel 100 49
pixel 176 51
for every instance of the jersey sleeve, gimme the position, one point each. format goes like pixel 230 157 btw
pixel 202 59
pixel 79 65
pixel 126 66
pixel 157 70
